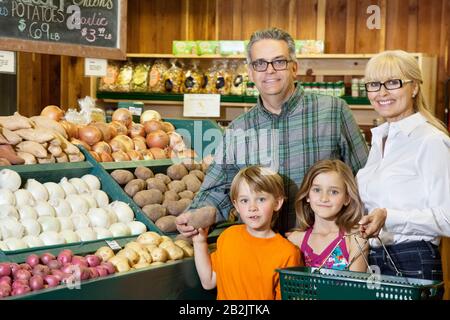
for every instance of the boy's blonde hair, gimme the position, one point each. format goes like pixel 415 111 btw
pixel 399 64
pixel 259 179
pixel 349 215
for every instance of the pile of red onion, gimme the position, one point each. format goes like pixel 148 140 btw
pixel 47 271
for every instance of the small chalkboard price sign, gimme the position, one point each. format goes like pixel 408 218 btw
pixel 84 28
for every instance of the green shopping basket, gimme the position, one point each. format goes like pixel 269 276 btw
pixel 308 283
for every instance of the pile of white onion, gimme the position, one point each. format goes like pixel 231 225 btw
pixel 52 213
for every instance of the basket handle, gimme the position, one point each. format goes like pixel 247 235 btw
pixel 397 272
pixel 361 252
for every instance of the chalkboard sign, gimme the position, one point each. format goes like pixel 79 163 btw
pixel 85 28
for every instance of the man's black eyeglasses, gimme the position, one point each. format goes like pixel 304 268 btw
pixel 261 65
pixel 391 84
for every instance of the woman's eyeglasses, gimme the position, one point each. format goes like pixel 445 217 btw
pixel 261 65
pixel 391 84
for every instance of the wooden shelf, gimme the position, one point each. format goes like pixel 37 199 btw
pixel 241 56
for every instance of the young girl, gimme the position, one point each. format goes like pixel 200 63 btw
pixel 243 265
pixel 328 208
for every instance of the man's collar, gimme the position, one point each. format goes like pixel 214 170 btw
pixel 288 105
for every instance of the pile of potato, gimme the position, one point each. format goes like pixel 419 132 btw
pixel 162 197
pixel 149 249
pixel 33 140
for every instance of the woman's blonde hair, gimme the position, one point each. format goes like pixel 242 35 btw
pixel 349 215
pixel 400 64
pixel 259 179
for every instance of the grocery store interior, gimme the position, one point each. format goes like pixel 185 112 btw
pixel 167 42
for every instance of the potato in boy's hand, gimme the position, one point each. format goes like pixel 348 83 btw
pixel 202 217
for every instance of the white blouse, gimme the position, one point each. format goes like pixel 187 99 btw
pixel 411 180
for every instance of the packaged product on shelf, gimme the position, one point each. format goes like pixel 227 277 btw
pixel 173 78
pixel 227 48
pixel 139 82
pixel 156 83
pixel 223 78
pixel 309 46
pixel 362 88
pixel 239 78
pixel 192 79
pixel 108 82
pixel 124 78
pixel 184 47
pixel 207 47
pixel 355 87
pixel 209 84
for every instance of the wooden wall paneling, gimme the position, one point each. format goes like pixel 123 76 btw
pixel 229 20
pixel 429 37
pixel 51 70
pixel 397 21
pixel 336 14
pixel 282 15
pixel 383 30
pixel 256 15
pixel 28 83
pixel 366 40
pixel 443 69
pixel 321 16
pixel 307 17
pixel 350 30
pixel 74 85
pixel 412 26
pixel 133 26
pixel 202 20
pixel 429 26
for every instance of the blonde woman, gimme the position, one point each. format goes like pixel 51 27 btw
pixel 405 184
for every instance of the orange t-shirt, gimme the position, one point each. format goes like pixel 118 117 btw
pixel 245 265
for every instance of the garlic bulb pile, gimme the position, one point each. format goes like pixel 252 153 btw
pixel 53 213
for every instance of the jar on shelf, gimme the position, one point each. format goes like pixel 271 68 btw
pixel 315 87
pixel 337 89
pixel 362 88
pixel 322 88
pixel 330 89
pixel 355 87
pixel 307 87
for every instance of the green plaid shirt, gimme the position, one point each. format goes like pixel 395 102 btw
pixel 310 128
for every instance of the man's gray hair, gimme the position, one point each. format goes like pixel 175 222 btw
pixel 273 34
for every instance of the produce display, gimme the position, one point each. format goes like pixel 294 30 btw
pixel 39 139
pixel 73 210
pixel 149 249
pixel 162 197
pixel 175 76
pixel 124 140
pixel 49 271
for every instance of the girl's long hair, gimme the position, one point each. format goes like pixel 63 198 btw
pixel 349 215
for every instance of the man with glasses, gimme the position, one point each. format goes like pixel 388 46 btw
pixel 288 130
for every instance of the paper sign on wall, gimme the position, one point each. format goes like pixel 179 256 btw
pixel 7 62
pixel 95 67
pixel 201 105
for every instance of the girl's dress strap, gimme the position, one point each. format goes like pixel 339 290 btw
pixel 304 247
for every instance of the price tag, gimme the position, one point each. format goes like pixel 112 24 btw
pixel 7 62
pixel 95 67
pixel 113 244
pixel 201 105
pixel 136 111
